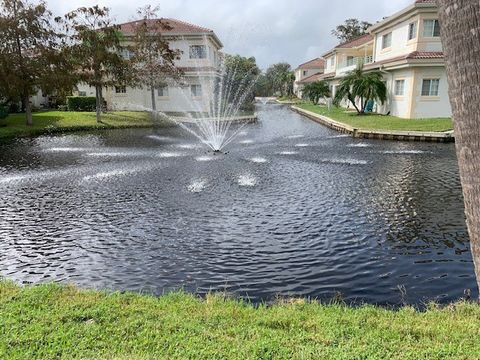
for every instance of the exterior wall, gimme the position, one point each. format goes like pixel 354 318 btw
pixel 399 105
pixel 329 66
pixel 400 43
pixel 179 99
pixel 428 43
pixel 38 100
pixel 428 107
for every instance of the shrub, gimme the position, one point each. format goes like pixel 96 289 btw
pixel 81 103
pixel 3 112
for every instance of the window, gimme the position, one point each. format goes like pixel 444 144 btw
pixel 332 61
pixel 399 87
pixel 430 87
pixel 198 52
pixel 350 60
pixel 304 72
pixel 120 89
pixel 162 91
pixel 412 31
pixel 82 93
pixel 387 41
pixel 196 90
pixel 431 28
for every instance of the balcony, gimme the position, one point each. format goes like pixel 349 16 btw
pixel 352 62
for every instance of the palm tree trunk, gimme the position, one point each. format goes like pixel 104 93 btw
pixel 352 100
pixel 460 21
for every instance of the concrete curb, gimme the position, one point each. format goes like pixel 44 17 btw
pixel 377 134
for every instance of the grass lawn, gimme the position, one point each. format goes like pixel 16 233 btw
pixel 55 322
pixel 59 121
pixel 381 122
pixel 289 99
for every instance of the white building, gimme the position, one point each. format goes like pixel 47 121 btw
pixel 199 60
pixel 307 72
pixel 407 48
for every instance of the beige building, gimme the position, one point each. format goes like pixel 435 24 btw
pixel 307 72
pixel 407 49
pixel 200 62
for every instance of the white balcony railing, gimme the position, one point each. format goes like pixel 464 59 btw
pixel 354 61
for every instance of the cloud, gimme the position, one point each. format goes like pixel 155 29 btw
pixel 270 30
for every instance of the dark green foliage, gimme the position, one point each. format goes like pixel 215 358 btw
pixel 81 103
pixel 362 86
pixel 3 112
pixel 351 29
pixel 316 90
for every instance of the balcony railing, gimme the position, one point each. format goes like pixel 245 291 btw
pixel 354 61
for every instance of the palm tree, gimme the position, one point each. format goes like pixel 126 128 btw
pixel 314 91
pixel 461 59
pixel 363 86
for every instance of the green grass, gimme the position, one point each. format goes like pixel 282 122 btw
pixel 381 122
pixel 289 99
pixel 56 322
pixel 63 121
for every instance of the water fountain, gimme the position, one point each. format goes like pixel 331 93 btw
pixel 211 117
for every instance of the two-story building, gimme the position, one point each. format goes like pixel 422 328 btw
pixel 306 73
pixel 406 47
pixel 199 61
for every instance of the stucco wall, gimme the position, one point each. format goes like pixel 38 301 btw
pixel 427 107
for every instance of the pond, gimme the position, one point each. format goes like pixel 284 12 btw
pixel 293 209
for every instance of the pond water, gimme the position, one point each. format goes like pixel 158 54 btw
pixel 294 209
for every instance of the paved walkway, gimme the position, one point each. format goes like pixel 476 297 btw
pixel 377 134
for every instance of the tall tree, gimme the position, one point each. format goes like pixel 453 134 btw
pixel 351 29
pixel 29 47
pixel 240 77
pixel 281 78
pixel 362 86
pixel 96 50
pixel 460 22
pixel 153 59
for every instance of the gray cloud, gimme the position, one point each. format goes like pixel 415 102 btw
pixel 270 30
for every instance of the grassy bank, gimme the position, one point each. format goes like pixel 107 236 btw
pixel 53 322
pixel 380 122
pixel 62 121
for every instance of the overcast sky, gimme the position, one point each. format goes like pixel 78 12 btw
pixel 270 30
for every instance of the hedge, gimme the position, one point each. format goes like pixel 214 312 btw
pixel 81 103
pixel 3 112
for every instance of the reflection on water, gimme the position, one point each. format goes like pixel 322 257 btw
pixel 293 209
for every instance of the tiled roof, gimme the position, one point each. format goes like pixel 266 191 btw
pixel 312 78
pixel 425 55
pixel 176 27
pixel 326 76
pixel 425 2
pixel 361 40
pixel 317 63
pixel 416 55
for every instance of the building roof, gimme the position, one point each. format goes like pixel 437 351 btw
pixel 361 40
pixel 311 78
pixel 174 27
pixel 416 55
pixel 417 4
pixel 317 63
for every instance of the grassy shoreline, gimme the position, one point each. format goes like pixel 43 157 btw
pixel 50 122
pixel 54 322
pixel 380 122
